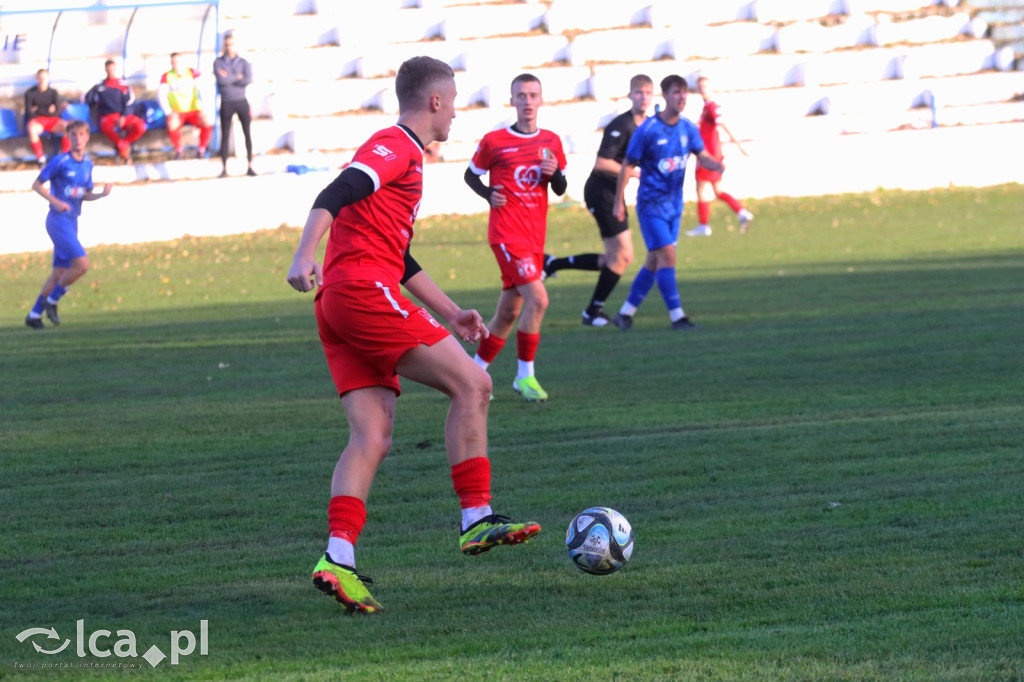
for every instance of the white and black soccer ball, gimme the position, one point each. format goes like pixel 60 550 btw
pixel 599 540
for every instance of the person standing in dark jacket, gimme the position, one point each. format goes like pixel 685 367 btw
pixel 233 74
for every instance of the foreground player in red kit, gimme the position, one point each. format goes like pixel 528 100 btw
pixel 709 181
pixel 522 161
pixel 372 334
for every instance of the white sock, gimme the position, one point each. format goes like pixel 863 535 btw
pixel 341 551
pixel 480 361
pixel 627 309
pixel 676 314
pixel 525 369
pixel 474 514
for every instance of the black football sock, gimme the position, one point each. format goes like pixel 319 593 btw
pixel 583 261
pixel 606 282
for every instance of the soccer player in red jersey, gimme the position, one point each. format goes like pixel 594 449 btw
pixel 709 181
pixel 522 160
pixel 372 334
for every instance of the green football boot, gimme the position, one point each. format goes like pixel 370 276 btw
pixel 530 389
pixel 345 585
pixel 495 530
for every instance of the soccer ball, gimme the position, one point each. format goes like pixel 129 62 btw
pixel 599 540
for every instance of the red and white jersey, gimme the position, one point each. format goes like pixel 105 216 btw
pixel 513 161
pixel 709 129
pixel 368 239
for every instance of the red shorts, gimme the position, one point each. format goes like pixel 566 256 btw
pixel 516 267
pixel 366 328
pixel 48 122
pixel 189 118
pixel 705 175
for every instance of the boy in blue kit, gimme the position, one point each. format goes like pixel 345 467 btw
pixel 660 146
pixel 70 178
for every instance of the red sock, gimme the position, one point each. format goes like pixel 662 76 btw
pixel 346 517
pixel 703 211
pixel 733 204
pixel 526 345
pixel 490 347
pixel 472 482
pixel 175 136
pixel 37 148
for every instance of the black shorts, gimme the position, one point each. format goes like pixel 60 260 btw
pixel 599 196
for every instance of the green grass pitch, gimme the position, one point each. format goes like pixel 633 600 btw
pixel 825 481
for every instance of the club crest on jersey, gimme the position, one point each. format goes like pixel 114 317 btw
pixel 526 267
pixel 527 177
pixel 387 154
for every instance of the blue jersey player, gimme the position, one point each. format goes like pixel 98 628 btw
pixel 660 147
pixel 69 176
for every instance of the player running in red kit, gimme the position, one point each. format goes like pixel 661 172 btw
pixel 372 334
pixel 709 181
pixel 521 160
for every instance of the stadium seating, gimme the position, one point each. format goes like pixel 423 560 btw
pixel 484 21
pixel 80 112
pixel 925 30
pixel 586 15
pixel 951 59
pixel 766 11
pixel 720 42
pixel 9 124
pixel 812 36
pixel 324 76
pixel 622 45
pixel 368 31
pixel 665 13
pixel 855 7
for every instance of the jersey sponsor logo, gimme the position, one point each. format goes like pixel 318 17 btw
pixel 384 152
pixel 670 164
pixel 74 192
pixel 662 141
pixel 527 177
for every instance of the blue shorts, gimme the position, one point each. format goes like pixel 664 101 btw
pixel 63 231
pixel 659 228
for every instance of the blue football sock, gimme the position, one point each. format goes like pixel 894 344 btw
pixel 56 294
pixel 669 290
pixel 37 309
pixel 642 284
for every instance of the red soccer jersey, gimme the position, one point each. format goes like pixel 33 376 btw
pixel 513 161
pixel 709 130
pixel 369 238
